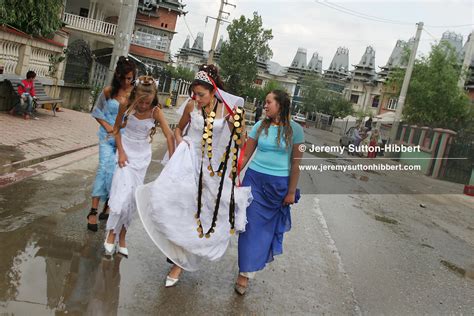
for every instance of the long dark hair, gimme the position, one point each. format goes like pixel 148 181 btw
pixel 283 100
pixel 124 66
pixel 212 72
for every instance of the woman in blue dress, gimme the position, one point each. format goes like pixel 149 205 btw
pixel 105 111
pixel 273 175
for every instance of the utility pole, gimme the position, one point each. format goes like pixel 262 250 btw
pixel 123 34
pixel 216 30
pixel 467 60
pixel 406 83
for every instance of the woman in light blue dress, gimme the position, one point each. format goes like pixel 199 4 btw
pixel 105 111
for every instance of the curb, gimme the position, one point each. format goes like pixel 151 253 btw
pixel 8 168
pixel 47 165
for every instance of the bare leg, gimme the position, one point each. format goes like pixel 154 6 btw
pixel 110 237
pixel 95 204
pixel 175 272
pixel 123 232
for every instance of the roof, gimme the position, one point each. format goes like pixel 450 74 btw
pixel 12 30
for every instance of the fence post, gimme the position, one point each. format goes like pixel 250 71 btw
pixel 23 59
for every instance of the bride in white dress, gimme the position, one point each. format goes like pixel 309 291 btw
pixel 196 175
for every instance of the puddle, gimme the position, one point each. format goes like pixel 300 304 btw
pixel 10 154
pixel 385 219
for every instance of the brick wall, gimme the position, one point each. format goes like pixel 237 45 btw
pixel 166 20
pixel 148 52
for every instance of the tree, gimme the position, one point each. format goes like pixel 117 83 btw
pixel 318 98
pixel 260 93
pixel 434 98
pixel 179 73
pixel 35 17
pixel 238 61
pixel 313 92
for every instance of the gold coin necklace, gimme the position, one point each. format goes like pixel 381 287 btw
pixel 207 142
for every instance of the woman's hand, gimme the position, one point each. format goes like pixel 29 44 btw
pixel 122 159
pixel 109 129
pixel 289 199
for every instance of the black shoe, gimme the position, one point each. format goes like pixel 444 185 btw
pixel 92 227
pixel 104 215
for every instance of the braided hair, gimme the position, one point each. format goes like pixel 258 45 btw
pixel 283 100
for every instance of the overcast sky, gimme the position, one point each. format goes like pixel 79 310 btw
pixel 318 28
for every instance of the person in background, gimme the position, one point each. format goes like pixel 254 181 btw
pixel 27 93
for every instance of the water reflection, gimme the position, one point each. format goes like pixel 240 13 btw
pixel 51 276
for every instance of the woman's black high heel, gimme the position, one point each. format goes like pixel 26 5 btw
pixel 103 216
pixel 92 227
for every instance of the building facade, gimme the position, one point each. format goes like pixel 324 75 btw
pixel 94 29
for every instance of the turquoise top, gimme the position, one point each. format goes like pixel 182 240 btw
pixel 270 158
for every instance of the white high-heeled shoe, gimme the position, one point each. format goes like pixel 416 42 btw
pixel 123 251
pixel 170 281
pixel 109 248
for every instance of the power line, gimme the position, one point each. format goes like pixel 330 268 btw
pixel 360 15
pixel 187 26
pixel 379 19
pixel 426 31
pixel 363 15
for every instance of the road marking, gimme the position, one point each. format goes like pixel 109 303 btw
pixel 332 247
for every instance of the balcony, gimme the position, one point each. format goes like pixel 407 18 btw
pixel 89 25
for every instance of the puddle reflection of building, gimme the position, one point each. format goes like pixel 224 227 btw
pixel 93 283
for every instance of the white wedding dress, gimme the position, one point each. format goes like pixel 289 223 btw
pixel 167 206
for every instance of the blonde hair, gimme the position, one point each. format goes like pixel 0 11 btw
pixel 144 86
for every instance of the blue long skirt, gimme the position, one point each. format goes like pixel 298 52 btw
pixel 106 168
pixel 267 220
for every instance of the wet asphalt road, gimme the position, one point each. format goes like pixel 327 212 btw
pixel 351 253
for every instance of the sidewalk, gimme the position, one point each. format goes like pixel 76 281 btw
pixel 24 143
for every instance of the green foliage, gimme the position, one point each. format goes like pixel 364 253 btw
pixel 35 17
pixel 247 41
pixel 260 93
pixel 179 73
pixel 55 60
pixel 434 98
pixel 317 98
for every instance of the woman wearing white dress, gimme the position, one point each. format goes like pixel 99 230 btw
pixel 140 119
pixel 191 210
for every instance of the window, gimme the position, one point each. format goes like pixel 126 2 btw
pixel 375 102
pixel 154 39
pixel 84 12
pixel 392 104
pixel 354 98
pixel 258 81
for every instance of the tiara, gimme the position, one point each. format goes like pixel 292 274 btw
pixel 146 81
pixel 203 76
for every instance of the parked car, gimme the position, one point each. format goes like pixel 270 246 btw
pixel 299 118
